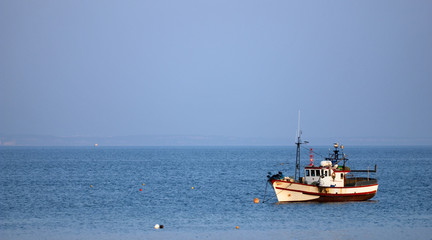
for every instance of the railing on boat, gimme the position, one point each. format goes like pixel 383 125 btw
pixel 361 181
pixel 366 170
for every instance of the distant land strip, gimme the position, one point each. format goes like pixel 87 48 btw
pixel 198 140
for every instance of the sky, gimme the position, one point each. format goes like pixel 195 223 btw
pixel 358 70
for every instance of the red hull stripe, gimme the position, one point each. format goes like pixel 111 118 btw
pixel 332 187
pixel 328 194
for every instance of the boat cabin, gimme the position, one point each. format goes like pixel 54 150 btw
pixel 325 175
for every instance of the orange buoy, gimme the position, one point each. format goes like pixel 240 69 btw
pixel 237 227
pixel 256 200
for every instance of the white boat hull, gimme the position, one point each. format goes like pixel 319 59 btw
pixel 287 191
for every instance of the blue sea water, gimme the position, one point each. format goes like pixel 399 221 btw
pixel 201 193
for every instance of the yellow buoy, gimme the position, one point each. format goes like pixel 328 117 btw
pixel 192 187
pixel 256 200
pixel 91 186
pixel 143 184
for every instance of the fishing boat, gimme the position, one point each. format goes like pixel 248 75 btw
pixel 330 181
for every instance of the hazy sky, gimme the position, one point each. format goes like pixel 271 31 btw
pixel 358 69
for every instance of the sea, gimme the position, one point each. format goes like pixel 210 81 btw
pixel 203 193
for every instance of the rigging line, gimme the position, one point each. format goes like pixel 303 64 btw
pixel 313 151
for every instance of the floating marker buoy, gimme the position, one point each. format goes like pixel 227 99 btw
pixel 161 226
pixel 157 226
pixel 140 189
pixel 91 186
pixel 143 184
pixel 237 227
pixel 256 200
pixel 192 187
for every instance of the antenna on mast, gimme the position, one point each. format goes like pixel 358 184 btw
pixel 298 124
pixel 298 143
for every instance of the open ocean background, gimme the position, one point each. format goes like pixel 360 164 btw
pixel 94 193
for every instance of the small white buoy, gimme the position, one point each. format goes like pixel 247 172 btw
pixel 157 226
pixel 96 145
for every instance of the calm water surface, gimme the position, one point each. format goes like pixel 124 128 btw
pixel 122 192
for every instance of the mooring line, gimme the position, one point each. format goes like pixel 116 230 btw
pixel 265 192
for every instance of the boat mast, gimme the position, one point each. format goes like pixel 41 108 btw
pixel 298 143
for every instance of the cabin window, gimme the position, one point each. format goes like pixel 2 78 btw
pixel 307 173
pixel 341 175
pixel 312 173
pixel 318 172
pixel 325 173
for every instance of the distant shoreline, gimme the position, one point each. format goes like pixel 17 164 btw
pixel 199 140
